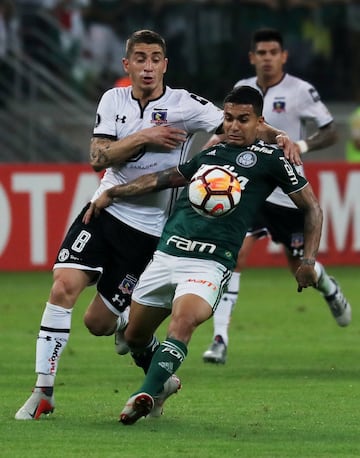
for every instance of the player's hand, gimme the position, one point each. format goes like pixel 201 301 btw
pixel 291 149
pixel 165 136
pixel 305 276
pixel 95 207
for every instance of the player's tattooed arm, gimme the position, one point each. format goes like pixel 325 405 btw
pixel 106 153
pixel 169 178
pixel 325 136
pixel 313 217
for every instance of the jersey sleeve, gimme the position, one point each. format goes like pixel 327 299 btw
pixel 247 82
pixel 285 174
pixel 312 107
pixel 105 124
pixel 242 82
pixel 190 167
pixel 200 114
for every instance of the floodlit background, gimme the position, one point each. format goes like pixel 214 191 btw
pixel 58 56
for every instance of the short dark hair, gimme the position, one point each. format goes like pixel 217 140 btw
pixel 144 36
pixel 246 95
pixel 266 34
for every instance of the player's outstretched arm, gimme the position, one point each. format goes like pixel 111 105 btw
pixel 306 200
pixel 323 137
pixel 107 153
pixel 169 178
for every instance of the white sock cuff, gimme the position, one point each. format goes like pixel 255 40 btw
pixel 122 319
pixel 234 283
pixel 58 308
pixel 45 380
pixel 319 269
pixel 55 316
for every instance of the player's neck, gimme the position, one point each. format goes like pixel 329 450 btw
pixel 146 96
pixel 264 82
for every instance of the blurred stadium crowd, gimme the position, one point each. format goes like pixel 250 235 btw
pixel 83 40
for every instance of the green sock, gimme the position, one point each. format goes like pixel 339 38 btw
pixel 143 358
pixel 165 362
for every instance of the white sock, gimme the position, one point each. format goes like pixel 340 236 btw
pixel 234 283
pixel 325 285
pixel 52 339
pixel 123 319
pixel 222 314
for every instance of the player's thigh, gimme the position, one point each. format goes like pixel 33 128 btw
pixel 188 312
pixel 151 299
pixel 67 285
pixel 200 286
pixel 204 278
pixel 98 318
pixel 128 253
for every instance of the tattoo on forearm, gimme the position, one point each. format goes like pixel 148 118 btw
pixel 99 153
pixel 322 138
pixel 169 178
pixel 100 156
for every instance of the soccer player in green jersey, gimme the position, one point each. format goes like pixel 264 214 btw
pixel 196 255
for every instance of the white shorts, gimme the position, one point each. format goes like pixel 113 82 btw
pixel 167 277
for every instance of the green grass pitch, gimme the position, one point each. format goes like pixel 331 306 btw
pixel 290 387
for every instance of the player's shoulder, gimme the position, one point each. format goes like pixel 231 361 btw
pixel 306 92
pixel 246 82
pixel 191 97
pixel 193 105
pixel 296 82
pixel 181 96
pixel 176 93
pixel 117 93
pixel 266 151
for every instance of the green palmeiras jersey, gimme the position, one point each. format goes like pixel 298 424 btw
pixel 259 168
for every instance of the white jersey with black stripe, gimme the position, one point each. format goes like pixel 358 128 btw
pixel 287 106
pixel 119 115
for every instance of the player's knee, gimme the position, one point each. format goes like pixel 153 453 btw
pixel 63 292
pixel 182 327
pixel 97 325
pixel 67 285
